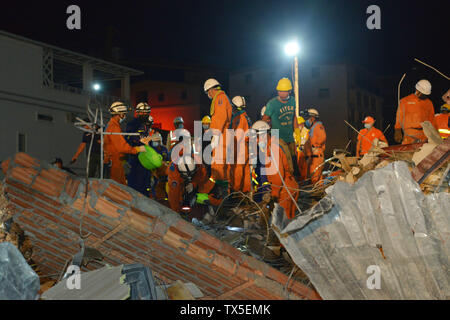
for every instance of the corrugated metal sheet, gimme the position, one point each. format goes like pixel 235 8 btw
pixel 106 283
pixel 383 220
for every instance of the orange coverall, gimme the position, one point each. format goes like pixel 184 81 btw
pixel 441 120
pixel 177 186
pixel 240 175
pixel 221 111
pixel 115 149
pixel 411 112
pixel 365 140
pixel 317 137
pixel 278 189
pixel 301 152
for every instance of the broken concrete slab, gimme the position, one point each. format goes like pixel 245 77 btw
pixel 382 226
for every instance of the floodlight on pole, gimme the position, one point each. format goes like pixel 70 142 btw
pixel 96 86
pixel 292 49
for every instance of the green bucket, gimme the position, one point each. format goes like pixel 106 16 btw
pixel 150 159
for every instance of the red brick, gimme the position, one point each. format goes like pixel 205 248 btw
pixel 5 165
pixel 72 187
pixel 25 160
pixel 46 187
pixel 108 208
pixel 46 215
pixel 27 224
pixel 24 175
pixel 118 193
pixel 44 207
pixel 19 194
pixel 54 176
pixel 20 203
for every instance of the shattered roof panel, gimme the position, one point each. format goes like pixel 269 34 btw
pixel 382 220
pixel 129 228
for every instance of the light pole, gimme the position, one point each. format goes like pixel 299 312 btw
pixel 292 49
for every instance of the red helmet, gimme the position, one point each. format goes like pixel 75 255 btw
pixel 368 119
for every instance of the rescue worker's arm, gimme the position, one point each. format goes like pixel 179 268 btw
pixel 267 114
pixel 320 136
pixel 382 137
pixel 79 151
pixel 220 117
pixel 121 146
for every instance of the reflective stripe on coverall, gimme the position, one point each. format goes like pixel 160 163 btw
pixel 442 124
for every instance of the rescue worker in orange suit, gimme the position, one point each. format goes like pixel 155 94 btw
pixel 240 174
pixel 368 137
pixel 220 112
pixel 442 119
pixel 317 138
pixel 188 178
pixel 137 176
pixel 172 139
pixel 412 111
pixel 200 143
pixel 281 179
pixel 115 146
pixel 301 135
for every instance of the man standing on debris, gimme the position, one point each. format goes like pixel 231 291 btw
pixel 442 119
pixel 240 174
pixel 221 112
pixel 282 182
pixel 94 161
pixel 412 111
pixel 368 136
pixel 115 145
pixel 301 136
pixel 138 177
pixel 172 139
pixel 317 138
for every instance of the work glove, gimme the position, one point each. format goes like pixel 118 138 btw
pixel 202 198
pixel 398 135
pixel 189 188
pixel 141 149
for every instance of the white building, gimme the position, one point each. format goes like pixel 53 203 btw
pixel 42 89
pixel 339 92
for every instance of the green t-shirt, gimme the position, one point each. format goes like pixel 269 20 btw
pixel 282 116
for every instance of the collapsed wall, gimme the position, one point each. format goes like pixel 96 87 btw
pixel 126 227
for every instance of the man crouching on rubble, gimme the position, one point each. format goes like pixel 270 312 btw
pixel 189 183
pixel 283 185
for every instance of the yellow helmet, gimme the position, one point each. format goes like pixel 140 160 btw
pixel 284 85
pixel 300 120
pixel 206 119
pixel 445 107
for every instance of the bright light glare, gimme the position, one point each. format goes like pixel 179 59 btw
pixel 96 86
pixel 292 48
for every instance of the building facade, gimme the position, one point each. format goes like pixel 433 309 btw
pixel 42 90
pixel 338 92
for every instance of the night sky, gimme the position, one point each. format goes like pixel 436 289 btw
pixel 238 34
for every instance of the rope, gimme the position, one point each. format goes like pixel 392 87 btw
pixel 433 68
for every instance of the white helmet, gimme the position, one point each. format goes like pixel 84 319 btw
pixel 239 101
pixel 178 120
pixel 263 110
pixel 261 126
pixel 156 137
pixel 186 166
pixel 143 107
pixel 210 83
pixel 118 108
pixel 313 113
pixel 423 86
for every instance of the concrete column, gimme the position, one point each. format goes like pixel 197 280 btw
pixel 88 76
pixel 126 87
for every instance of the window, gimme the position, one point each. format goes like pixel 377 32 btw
pixel 358 99
pixel 161 97
pixel 21 142
pixel 324 93
pixel 248 78
pixel 44 117
pixel 315 72
pixel 141 96
pixel 183 95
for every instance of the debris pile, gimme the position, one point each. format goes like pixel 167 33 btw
pixel 65 218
